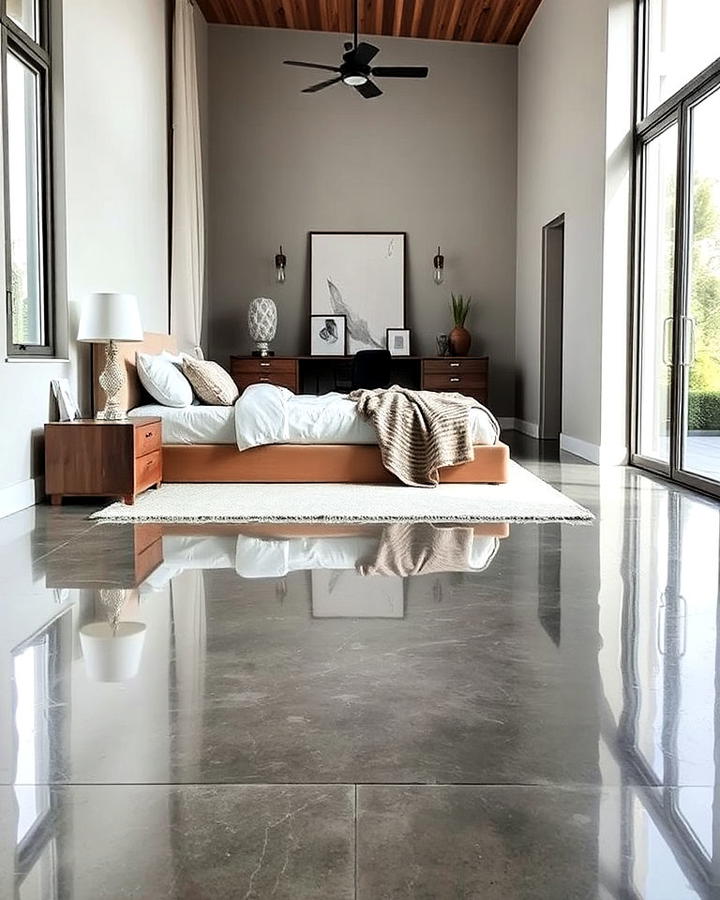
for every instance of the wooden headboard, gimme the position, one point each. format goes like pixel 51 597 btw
pixel 133 394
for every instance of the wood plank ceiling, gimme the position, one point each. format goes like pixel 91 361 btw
pixel 487 21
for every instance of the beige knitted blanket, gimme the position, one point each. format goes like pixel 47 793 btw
pixel 418 432
pixel 420 548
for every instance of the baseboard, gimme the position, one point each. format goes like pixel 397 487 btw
pixel 531 429
pixel 19 496
pixel 594 453
pixel 506 423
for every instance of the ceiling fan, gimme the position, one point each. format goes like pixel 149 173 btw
pixel 355 69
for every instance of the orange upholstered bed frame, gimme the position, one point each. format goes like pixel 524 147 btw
pixel 284 463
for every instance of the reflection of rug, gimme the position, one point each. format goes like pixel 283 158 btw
pixel 524 498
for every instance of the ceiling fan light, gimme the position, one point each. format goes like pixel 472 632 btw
pixel 355 79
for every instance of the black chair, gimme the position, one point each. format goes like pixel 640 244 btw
pixel 371 369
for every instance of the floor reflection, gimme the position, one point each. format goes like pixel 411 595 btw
pixel 582 659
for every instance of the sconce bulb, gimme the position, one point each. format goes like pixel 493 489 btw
pixel 438 267
pixel 280 264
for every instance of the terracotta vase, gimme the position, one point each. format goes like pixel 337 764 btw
pixel 459 341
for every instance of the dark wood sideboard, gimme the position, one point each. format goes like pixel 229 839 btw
pixel 464 374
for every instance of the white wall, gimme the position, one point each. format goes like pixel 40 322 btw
pixel 574 158
pixel 115 214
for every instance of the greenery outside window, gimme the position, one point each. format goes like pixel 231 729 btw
pixel 26 72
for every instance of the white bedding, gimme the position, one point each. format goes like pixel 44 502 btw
pixel 255 557
pixel 266 414
pixel 193 424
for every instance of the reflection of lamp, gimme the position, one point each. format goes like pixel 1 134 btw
pixel 106 318
pixel 280 266
pixel 438 267
pixel 112 649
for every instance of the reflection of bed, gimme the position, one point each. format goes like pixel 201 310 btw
pixel 222 462
pixel 261 552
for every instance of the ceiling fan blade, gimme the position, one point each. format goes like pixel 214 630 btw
pixel 323 84
pixel 400 71
pixel 362 54
pixel 368 90
pixel 304 65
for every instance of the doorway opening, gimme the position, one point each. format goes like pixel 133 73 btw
pixel 551 335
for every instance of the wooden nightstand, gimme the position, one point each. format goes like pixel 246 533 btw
pixel 94 457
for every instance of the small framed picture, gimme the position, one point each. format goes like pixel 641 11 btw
pixel 398 341
pixel 328 335
pixel 67 405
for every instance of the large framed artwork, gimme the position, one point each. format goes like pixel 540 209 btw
pixel 359 275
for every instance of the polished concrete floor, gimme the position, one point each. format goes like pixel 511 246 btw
pixel 235 711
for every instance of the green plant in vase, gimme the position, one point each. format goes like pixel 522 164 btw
pixel 459 339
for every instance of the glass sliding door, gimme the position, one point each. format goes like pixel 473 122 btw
pixel 676 421
pixel 700 345
pixel 659 177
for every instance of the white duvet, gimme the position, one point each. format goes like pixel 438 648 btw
pixel 266 414
pixel 255 557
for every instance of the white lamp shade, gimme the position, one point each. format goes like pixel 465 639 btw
pixel 110 317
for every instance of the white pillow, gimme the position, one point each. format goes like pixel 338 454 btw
pixel 163 380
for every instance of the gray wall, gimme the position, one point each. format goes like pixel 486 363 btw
pixel 436 159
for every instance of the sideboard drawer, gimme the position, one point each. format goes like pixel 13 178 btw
pixel 245 379
pixel 257 365
pixel 454 365
pixel 455 382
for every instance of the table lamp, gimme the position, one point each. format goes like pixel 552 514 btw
pixel 104 319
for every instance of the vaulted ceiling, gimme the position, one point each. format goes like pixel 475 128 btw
pixel 488 21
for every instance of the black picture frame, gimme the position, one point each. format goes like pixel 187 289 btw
pixel 404 331
pixel 336 348
pixel 399 315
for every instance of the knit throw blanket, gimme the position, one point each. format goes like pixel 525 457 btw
pixel 418 432
pixel 420 548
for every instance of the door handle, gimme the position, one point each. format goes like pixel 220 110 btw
pixel 689 344
pixel 691 333
pixel 666 344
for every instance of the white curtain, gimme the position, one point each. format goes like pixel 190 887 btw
pixel 187 263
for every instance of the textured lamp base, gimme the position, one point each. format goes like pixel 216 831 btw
pixel 112 379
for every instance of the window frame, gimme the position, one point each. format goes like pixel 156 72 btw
pixel 35 55
pixel 648 125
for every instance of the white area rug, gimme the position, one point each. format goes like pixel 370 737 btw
pixel 523 498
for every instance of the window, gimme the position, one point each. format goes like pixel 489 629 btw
pixel 676 427
pixel 681 39
pixel 28 195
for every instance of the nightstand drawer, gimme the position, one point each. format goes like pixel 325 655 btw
pixel 286 381
pixel 148 470
pixel 147 439
pixel 262 365
pixel 454 365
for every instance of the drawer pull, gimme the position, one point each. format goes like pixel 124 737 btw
pixel 454 365
pixel 265 365
pixel 148 434
pixel 454 379
pixel 263 378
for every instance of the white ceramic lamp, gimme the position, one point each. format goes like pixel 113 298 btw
pixel 105 319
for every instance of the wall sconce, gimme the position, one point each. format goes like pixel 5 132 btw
pixel 280 264
pixel 438 267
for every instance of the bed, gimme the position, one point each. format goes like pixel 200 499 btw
pixel 199 442
pixel 276 550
